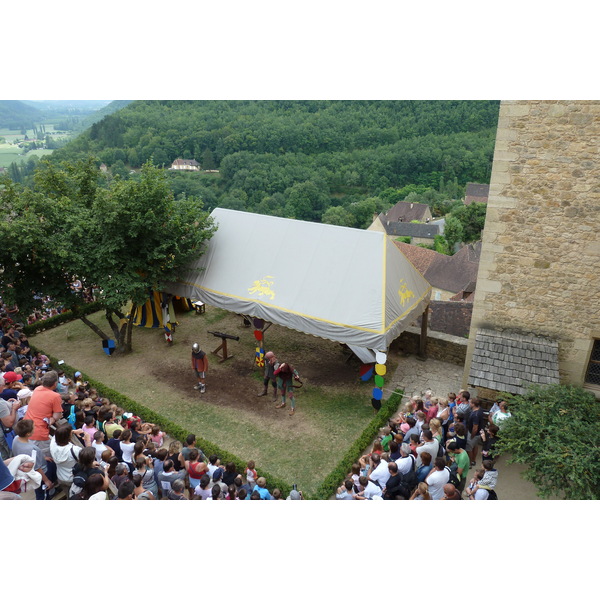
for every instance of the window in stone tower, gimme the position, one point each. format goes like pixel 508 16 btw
pixel 593 371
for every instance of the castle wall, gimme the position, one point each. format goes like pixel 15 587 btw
pixel 539 270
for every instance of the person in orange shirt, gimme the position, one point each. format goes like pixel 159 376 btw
pixel 45 409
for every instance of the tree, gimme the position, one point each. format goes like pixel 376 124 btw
pixel 338 215
pixel 208 160
pixel 453 232
pixel 472 218
pixel 554 431
pixel 127 239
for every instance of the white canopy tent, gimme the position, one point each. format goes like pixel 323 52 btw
pixel 347 285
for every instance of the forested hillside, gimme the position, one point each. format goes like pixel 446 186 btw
pixel 299 158
pixel 15 114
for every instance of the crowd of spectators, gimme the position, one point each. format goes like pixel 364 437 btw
pixel 58 436
pixel 427 450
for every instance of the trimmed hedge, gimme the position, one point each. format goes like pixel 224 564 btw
pixel 326 489
pixel 333 480
pixel 65 317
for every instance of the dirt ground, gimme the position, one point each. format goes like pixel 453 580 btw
pixel 320 363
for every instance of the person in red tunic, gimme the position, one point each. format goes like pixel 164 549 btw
pixel 200 366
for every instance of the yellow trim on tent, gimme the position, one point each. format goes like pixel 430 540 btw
pixel 293 312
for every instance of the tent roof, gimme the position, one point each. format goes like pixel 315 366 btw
pixel 347 285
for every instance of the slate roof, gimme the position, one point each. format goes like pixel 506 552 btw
pixel 477 192
pixel 419 230
pixel 509 362
pixel 409 211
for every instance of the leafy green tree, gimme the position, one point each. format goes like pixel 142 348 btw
pixel 441 245
pixel 453 232
pixel 554 431
pixel 338 215
pixel 235 200
pixel 208 160
pixel 365 210
pixel 306 201
pixel 472 218
pixel 127 238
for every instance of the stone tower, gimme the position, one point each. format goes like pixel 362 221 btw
pixel 539 273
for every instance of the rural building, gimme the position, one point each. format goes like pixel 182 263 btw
pixel 399 221
pixel 185 164
pixel 536 316
pixel 405 212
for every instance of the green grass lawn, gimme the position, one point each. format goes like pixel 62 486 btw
pixel 333 406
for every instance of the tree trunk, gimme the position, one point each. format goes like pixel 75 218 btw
pixel 94 327
pixel 130 327
pixel 119 332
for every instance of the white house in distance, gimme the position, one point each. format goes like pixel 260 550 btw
pixel 185 164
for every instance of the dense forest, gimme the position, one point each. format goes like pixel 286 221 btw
pixel 312 160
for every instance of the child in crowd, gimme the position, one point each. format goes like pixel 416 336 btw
pixel 157 436
pixel 488 480
pixel 474 483
pixel 89 426
pixel 251 474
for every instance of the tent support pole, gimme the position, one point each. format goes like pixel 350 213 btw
pixel 423 337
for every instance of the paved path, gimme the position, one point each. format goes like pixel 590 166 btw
pixel 416 376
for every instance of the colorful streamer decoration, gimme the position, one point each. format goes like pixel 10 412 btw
pixel 380 371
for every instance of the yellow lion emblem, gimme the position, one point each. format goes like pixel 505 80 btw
pixel 404 293
pixel 263 287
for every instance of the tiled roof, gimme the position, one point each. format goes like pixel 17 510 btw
pixel 409 211
pixel 419 230
pixel 186 161
pixel 455 273
pixel 481 190
pixel 477 192
pixel 420 258
pixel 510 362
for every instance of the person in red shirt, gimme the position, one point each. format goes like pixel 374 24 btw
pixel 44 409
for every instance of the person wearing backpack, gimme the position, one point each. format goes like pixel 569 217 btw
pixel 86 466
pixel 462 461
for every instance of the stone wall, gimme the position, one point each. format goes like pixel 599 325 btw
pixel 440 346
pixel 539 270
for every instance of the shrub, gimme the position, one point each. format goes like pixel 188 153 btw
pixel 554 431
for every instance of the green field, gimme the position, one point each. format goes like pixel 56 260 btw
pixel 10 154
